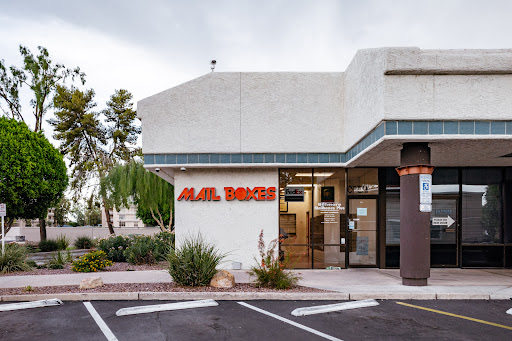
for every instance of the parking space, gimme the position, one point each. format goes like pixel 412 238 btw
pixel 233 321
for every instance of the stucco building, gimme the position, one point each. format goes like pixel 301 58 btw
pixel 329 145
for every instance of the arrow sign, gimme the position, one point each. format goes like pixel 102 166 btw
pixel 448 221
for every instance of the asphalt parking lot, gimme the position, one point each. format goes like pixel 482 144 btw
pixel 390 320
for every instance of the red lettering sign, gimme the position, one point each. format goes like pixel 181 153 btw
pixel 241 194
pixel 187 194
pixel 230 193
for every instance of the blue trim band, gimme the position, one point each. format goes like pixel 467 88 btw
pixel 386 128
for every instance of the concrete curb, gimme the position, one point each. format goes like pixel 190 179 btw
pixel 392 296
pixel 247 296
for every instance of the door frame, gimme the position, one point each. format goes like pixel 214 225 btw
pixel 458 234
pixel 377 228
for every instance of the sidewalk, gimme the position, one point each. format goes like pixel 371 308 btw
pixel 354 284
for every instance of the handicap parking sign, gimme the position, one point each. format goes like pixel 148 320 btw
pixel 425 189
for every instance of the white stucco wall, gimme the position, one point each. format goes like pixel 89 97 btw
pixel 200 116
pixel 233 226
pixel 246 113
pixel 287 112
pixel 448 97
pixel 280 111
pixel 363 97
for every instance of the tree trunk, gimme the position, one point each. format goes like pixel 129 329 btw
pixel 107 215
pixel 160 223
pixel 170 219
pixel 7 225
pixel 42 229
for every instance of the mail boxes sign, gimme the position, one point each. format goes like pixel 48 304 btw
pixel 230 193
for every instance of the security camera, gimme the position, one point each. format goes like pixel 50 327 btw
pixel 183 169
pixel 157 170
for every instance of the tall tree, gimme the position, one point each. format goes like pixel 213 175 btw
pixel 11 80
pixel 41 75
pixel 62 209
pixel 32 173
pixel 131 183
pixel 92 147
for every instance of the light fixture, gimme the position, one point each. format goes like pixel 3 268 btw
pixel 322 174
pixel 212 64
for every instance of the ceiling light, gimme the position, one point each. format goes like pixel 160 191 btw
pixel 322 174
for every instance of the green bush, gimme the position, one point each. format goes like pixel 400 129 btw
pixel 31 247
pixel 194 263
pixel 62 242
pixel 84 242
pixel 270 271
pixel 91 262
pixel 164 242
pixel 13 259
pixel 31 263
pixel 114 247
pixel 142 251
pixel 48 245
pixel 57 261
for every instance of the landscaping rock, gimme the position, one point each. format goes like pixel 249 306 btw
pixel 91 283
pixel 223 279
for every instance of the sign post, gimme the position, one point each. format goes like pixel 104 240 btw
pixel 3 212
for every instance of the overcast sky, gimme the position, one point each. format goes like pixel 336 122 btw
pixel 149 46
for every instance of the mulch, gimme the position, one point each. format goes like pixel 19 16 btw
pixel 148 287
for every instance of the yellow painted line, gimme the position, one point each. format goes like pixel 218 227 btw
pixel 455 315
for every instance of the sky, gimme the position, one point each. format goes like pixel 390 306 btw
pixel 152 45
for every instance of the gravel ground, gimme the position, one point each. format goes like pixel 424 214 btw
pixel 148 287
pixel 67 269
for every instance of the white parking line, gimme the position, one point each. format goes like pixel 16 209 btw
pixel 509 311
pixel 99 321
pixel 165 307
pixel 333 307
pixel 27 305
pixel 298 325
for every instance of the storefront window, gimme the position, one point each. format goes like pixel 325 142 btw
pixel 312 216
pixel 329 217
pixel 295 203
pixel 482 205
pixel 363 181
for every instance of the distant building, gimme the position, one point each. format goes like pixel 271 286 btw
pixel 50 221
pixel 126 217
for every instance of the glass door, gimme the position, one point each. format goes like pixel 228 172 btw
pixel 443 232
pixel 362 232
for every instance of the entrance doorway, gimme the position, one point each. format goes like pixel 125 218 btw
pixel 444 232
pixel 362 230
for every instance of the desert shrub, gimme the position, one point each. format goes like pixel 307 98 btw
pixel 84 242
pixel 31 247
pixel 164 242
pixel 114 247
pixel 57 261
pixel 62 242
pixel 270 272
pixel 48 245
pixel 141 251
pixel 194 263
pixel 91 262
pixel 31 263
pixel 13 259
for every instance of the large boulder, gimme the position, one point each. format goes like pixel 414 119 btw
pixel 91 283
pixel 223 279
